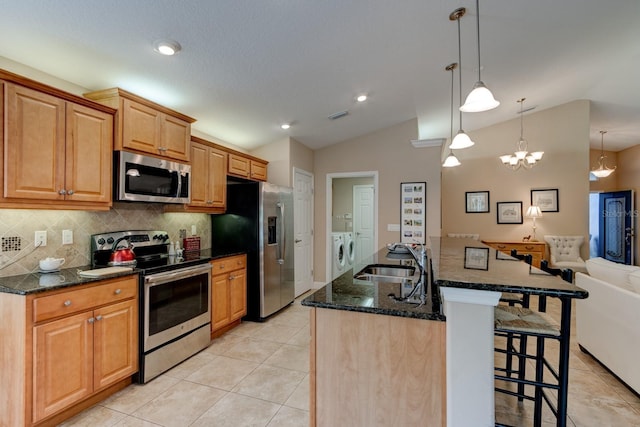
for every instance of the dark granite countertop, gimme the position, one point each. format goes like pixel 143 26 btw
pixel 347 293
pixel 31 283
pixel 35 282
pixel 502 274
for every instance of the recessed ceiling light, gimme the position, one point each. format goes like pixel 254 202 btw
pixel 361 98
pixel 167 47
pixel 285 126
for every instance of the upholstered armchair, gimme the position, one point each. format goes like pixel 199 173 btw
pixel 565 252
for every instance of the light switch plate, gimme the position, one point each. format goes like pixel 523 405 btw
pixel 67 237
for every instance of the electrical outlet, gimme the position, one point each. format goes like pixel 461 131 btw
pixel 40 238
pixel 67 237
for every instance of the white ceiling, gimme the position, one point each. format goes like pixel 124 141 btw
pixel 249 65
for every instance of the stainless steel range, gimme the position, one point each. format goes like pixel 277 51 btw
pixel 174 294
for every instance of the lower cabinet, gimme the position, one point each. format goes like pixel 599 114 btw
pixel 537 250
pixel 85 346
pixel 228 293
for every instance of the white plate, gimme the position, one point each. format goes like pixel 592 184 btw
pixel 48 271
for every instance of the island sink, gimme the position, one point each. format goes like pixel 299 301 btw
pixel 385 271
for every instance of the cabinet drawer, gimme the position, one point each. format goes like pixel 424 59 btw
pixel 225 265
pixel 65 303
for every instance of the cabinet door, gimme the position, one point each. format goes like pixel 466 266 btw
pixel 115 343
pixel 217 178
pixel 140 127
pixel 63 363
pixel 89 144
pixel 174 138
pixel 237 294
pixel 238 166
pixel 34 144
pixel 258 171
pixel 219 301
pixel 199 174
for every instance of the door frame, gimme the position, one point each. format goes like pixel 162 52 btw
pixel 329 209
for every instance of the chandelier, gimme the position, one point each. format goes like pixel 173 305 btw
pixel 602 171
pixel 521 157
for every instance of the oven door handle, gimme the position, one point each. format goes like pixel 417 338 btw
pixel 182 273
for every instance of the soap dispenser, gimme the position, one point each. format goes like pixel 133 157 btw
pixel 172 249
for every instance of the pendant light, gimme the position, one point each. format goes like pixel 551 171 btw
pixel 461 139
pixel 521 158
pixel 602 171
pixel 480 98
pixel 451 160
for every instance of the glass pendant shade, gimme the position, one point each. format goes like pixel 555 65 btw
pixel 602 171
pixel 479 99
pixel 451 161
pixel 461 140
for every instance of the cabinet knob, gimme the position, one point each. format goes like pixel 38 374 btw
pixel 98 317
pixel 221 266
pixel 70 192
pixel 231 277
pixel 62 192
pixel 67 303
pixel 91 320
pixel 529 248
pixel 118 291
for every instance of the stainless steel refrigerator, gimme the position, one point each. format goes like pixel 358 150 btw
pixel 259 222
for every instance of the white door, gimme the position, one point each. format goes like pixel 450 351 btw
pixel 303 230
pixel 363 221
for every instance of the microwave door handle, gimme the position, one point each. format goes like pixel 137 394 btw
pixel 282 242
pixel 179 189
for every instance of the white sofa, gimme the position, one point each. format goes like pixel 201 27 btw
pixel 608 321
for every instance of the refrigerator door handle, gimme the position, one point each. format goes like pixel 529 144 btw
pixel 282 241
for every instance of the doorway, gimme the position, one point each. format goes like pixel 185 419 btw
pixel 341 214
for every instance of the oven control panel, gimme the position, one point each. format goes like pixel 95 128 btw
pixel 138 238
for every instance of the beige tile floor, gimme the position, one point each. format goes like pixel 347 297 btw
pixel 258 375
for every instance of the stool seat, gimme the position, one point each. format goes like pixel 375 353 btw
pixel 521 319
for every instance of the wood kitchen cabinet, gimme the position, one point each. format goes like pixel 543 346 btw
pixel 537 250
pixel 70 348
pixel 247 167
pixel 57 152
pixel 228 293
pixel 147 127
pixel 208 178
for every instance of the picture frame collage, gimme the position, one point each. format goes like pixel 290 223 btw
pixel 510 212
pixel 412 212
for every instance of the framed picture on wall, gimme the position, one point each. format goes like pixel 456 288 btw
pixel 545 199
pixel 412 212
pixel 509 212
pixel 476 201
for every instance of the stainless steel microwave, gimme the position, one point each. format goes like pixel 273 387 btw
pixel 141 178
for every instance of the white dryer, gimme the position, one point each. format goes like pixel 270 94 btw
pixel 338 255
pixel 350 248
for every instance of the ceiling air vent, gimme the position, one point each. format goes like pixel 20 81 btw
pixel 338 115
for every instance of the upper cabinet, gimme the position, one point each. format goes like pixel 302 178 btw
pixel 56 147
pixel 209 176
pixel 245 166
pixel 147 127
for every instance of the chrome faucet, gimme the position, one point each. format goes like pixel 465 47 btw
pixel 420 287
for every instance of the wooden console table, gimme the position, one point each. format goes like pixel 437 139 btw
pixel 537 250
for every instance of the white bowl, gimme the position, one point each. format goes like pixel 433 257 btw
pixel 49 264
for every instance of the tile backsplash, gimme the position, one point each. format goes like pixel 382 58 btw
pixel 17 228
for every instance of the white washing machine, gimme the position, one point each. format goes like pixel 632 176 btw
pixel 350 248
pixel 338 255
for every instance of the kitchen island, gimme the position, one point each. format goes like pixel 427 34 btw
pixel 368 349
pixel 375 360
